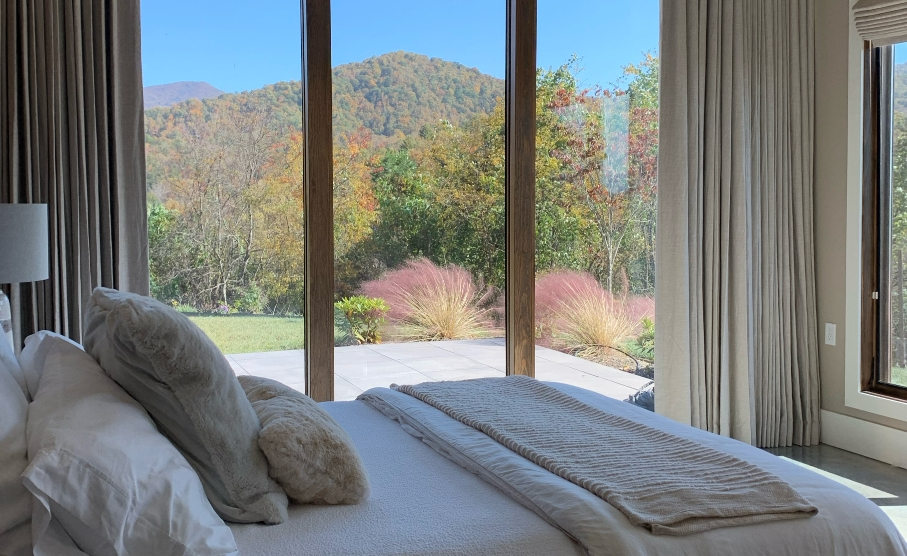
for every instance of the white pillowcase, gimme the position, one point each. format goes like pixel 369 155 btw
pixel 32 358
pixel 15 501
pixel 100 469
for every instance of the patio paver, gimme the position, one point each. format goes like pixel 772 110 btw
pixel 359 368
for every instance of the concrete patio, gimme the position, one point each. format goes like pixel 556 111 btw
pixel 358 368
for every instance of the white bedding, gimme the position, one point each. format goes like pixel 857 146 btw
pixel 847 523
pixel 421 504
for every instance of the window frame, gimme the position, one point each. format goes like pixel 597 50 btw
pixel 520 98
pixel 875 295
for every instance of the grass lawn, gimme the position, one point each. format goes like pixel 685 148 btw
pixel 255 333
pixel 252 333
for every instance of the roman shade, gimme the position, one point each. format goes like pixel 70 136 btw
pixel 883 22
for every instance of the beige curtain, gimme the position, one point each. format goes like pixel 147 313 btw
pixel 71 136
pixel 736 334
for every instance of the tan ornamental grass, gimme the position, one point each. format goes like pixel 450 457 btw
pixel 590 321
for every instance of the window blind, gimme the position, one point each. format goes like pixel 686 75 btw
pixel 883 22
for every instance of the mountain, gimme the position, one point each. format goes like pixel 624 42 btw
pixel 401 92
pixel 173 93
pixel 392 95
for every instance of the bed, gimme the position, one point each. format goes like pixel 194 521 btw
pixel 423 503
pixel 123 446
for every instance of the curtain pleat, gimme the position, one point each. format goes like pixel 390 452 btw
pixel 735 281
pixel 71 136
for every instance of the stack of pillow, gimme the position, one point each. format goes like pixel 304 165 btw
pixel 145 442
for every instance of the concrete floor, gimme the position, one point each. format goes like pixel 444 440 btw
pixel 884 484
pixel 358 368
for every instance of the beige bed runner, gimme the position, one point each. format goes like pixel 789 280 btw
pixel 666 483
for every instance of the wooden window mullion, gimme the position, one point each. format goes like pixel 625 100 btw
pixel 520 186
pixel 319 202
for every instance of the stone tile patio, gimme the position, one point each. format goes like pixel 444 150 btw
pixel 358 368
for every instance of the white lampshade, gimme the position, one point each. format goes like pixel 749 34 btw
pixel 24 253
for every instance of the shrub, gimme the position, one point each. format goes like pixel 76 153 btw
pixel 575 313
pixel 643 346
pixel 365 315
pixel 428 302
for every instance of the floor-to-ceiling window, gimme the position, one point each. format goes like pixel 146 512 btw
pixel 597 146
pixel 223 128
pixel 419 172
pixel 425 237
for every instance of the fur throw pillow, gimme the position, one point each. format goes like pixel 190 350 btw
pixel 309 454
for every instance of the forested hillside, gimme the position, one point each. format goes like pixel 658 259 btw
pixel 397 94
pixel 418 173
pixel 393 95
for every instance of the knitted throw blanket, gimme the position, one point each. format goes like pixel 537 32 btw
pixel 666 483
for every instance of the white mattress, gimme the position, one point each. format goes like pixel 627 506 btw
pixel 421 504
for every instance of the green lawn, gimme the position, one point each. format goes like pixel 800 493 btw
pixel 899 376
pixel 254 333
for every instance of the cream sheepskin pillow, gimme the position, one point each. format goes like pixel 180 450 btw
pixel 309 454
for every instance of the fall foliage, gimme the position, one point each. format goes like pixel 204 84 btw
pixel 418 173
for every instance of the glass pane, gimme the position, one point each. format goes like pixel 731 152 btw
pixel 597 145
pixel 898 230
pixel 418 191
pixel 223 128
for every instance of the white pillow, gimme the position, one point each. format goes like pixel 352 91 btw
pixel 15 502
pixel 32 358
pixel 99 467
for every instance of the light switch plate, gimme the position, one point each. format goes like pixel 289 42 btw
pixel 830 333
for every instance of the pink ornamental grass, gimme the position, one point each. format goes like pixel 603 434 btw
pixel 575 313
pixel 428 302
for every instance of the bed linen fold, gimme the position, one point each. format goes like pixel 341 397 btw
pixel 662 482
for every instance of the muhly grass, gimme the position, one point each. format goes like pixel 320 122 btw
pixel 574 313
pixel 428 302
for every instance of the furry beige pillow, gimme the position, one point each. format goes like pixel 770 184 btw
pixel 309 454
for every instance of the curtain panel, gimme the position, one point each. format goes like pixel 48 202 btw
pixel 737 338
pixel 71 136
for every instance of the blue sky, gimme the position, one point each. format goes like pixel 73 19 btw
pixel 239 45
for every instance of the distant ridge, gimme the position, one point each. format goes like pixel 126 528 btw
pixel 173 93
pixel 393 96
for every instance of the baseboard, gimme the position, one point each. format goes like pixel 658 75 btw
pixel 867 439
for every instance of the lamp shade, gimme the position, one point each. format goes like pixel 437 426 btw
pixel 24 253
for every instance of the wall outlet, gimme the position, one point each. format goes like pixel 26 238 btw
pixel 830 332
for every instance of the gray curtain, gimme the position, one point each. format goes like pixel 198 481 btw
pixel 71 136
pixel 736 334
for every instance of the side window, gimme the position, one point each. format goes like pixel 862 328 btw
pixel 884 321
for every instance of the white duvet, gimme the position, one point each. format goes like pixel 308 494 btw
pixel 847 523
pixel 420 504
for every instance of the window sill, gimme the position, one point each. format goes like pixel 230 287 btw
pixel 876 403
